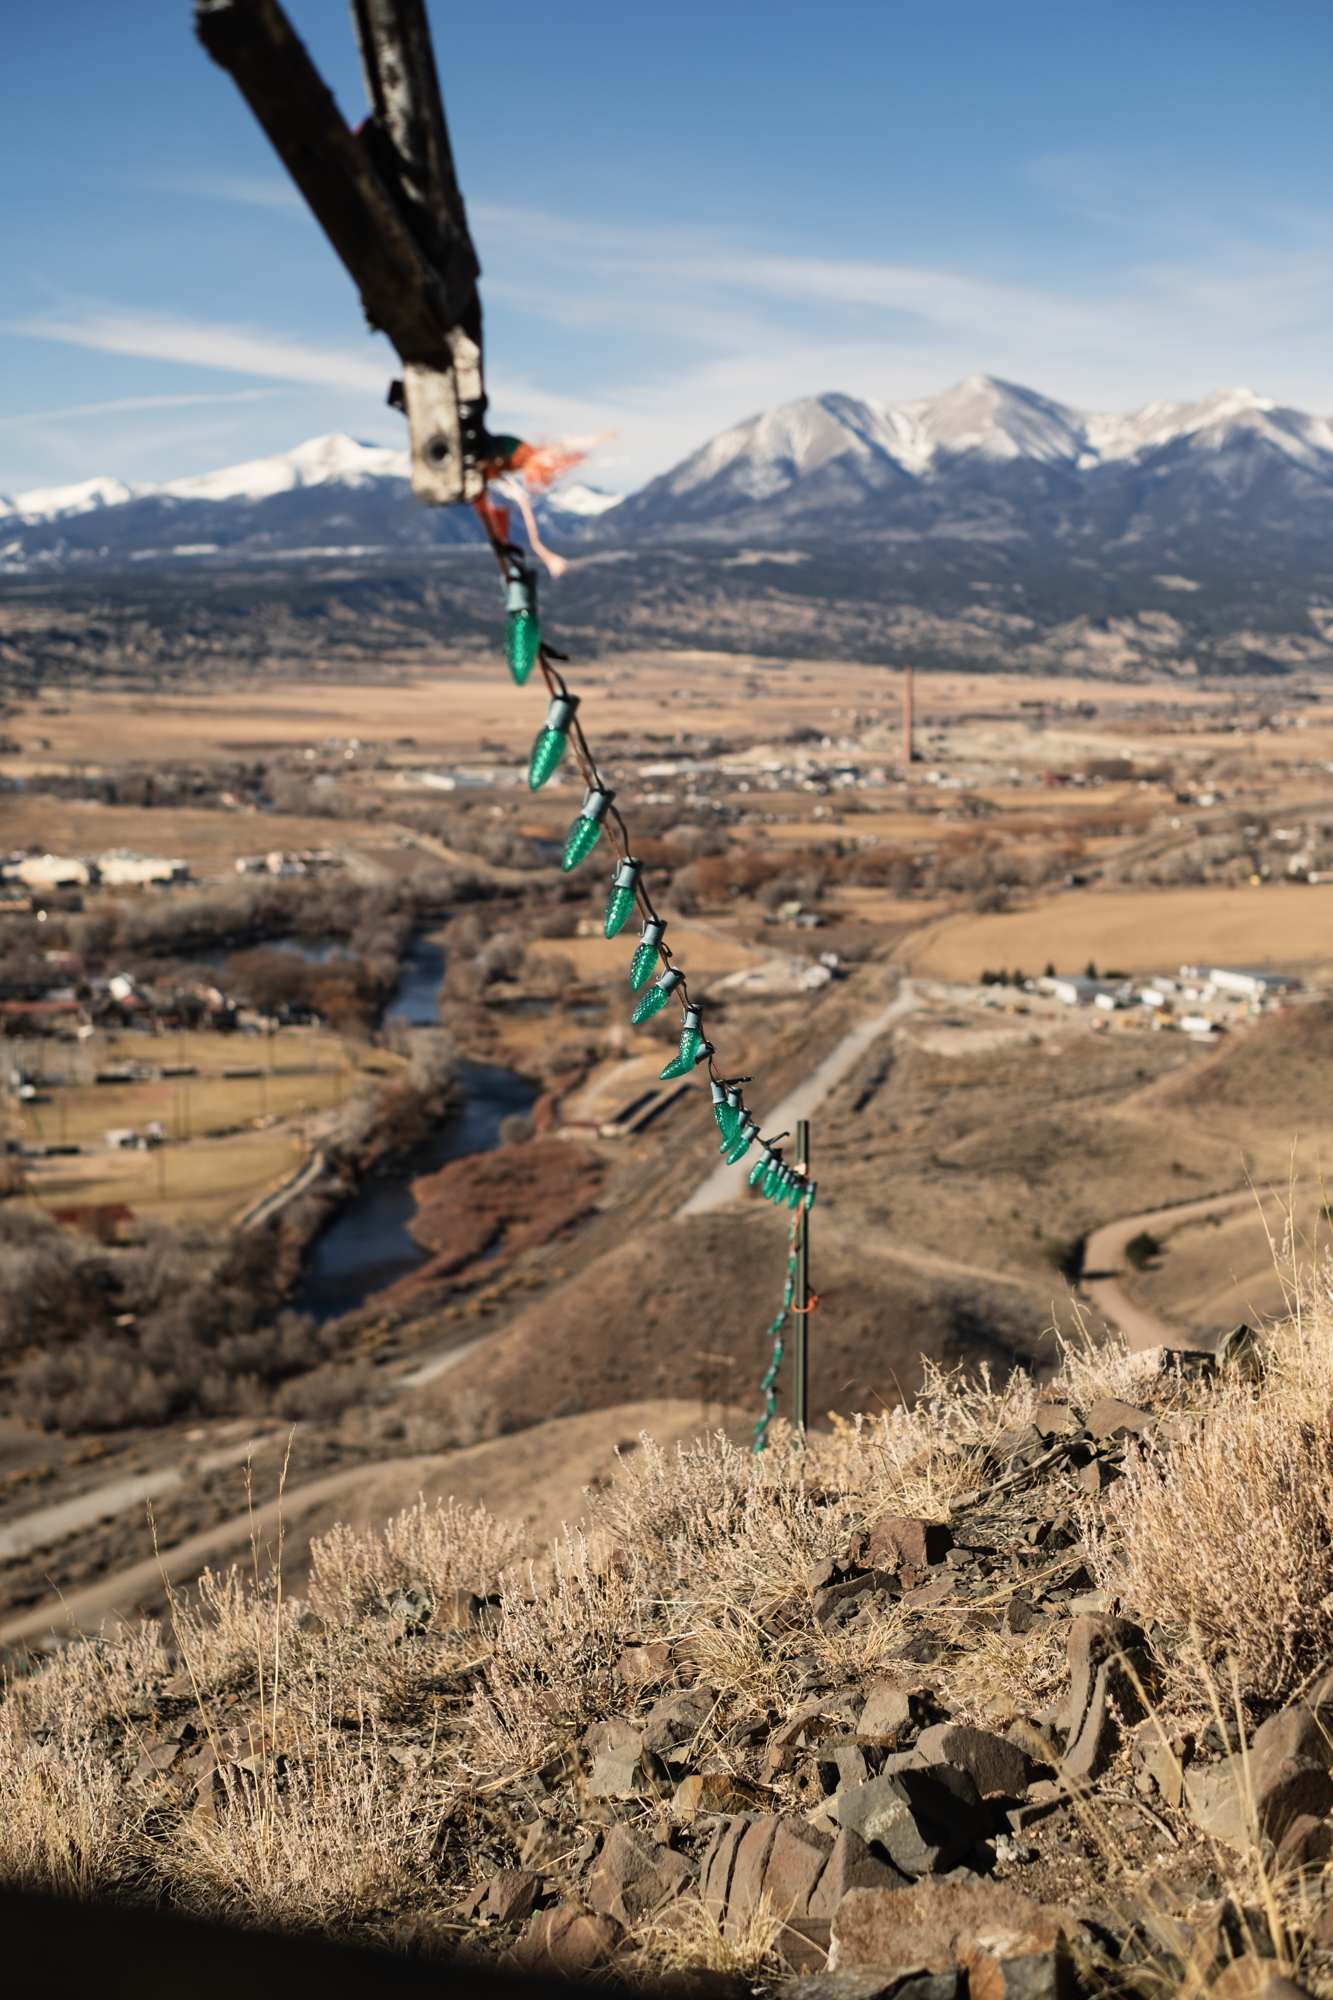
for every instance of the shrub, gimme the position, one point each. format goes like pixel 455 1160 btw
pixel 1250 1497
pixel 1141 1249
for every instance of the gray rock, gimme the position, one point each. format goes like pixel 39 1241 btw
pixel 800 1873
pixel 1110 1418
pixel 672 1724
pixel 620 1766
pixel 1108 1665
pixel 1237 1797
pixel 904 1541
pixel 881 1983
pixel 922 1818
pixel 507 1897
pixel 890 1714
pixel 999 1769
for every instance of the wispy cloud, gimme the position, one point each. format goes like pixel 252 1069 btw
pixel 245 190
pixel 127 405
pixel 668 333
pixel 234 350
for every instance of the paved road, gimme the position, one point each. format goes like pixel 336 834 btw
pixel 1104 1253
pixel 726 1183
pixel 272 1204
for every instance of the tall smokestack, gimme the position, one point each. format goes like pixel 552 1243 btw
pixel 908 750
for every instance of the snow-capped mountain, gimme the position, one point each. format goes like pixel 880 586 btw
pixel 54 503
pixel 327 496
pixel 991 449
pixel 985 462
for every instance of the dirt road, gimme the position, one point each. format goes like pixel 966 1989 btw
pixel 64 1517
pixel 1105 1264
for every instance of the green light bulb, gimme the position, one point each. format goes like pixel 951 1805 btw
pixel 736 1108
pixel 620 908
pixel 761 1166
pixel 810 1193
pixel 722 1112
pixel 691 1041
pixel 773 1178
pixel 586 831
pixel 796 1193
pixel 655 999
pixel 552 740
pixel 523 631
pixel 646 956
pixel 742 1143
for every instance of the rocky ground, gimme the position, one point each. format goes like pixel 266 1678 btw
pixel 1021 1691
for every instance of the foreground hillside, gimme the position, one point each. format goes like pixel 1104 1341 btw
pixel 1014 1691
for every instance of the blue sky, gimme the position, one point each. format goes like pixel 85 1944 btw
pixel 685 213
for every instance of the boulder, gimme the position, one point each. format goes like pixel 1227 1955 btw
pixel 672 1724
pixel 619 1764
pixel 1251 1978
pixel 1162 1752
pixel 884 1982
pixel 798 1872
pixel 1239 1796
pixel 999 1769
pixel 1110 1418
pixel 1108 1666
pixel 1010 1947
pixel 566 1940
pixel 1056 1420
pixel 890 1714
pixel 904 1541
pixel 632 1877
pixel 924 1819
pixel 508 1897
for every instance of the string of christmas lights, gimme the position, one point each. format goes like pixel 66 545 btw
pixel 768 1387
pixel 652 974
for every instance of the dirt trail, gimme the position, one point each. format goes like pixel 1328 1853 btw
pixel 63 1517
pixel 117 1596
pixel 540 1477
pixel 1104 1266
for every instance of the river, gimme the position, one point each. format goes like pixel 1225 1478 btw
pixel 369 1244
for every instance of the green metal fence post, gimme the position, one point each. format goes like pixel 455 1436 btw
pixel 800 1344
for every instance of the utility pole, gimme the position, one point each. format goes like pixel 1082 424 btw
pixel 800 1382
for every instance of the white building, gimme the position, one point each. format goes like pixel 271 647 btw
pixel 1242 982
pixel 1075 992
pixel 51 871
pixel 122 870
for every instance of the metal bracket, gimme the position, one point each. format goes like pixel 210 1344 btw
pixel 387 198
pixel 440 406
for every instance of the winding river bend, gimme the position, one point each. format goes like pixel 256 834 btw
pixel 369 1244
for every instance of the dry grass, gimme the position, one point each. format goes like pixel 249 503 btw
pixel 206 1181
pixel 377 1753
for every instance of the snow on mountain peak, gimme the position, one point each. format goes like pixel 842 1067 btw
pixel 320 461
pixel 579 498
pixel 52 503
pixel 1000 420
